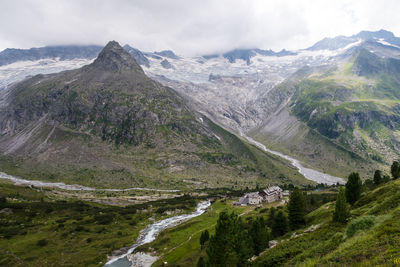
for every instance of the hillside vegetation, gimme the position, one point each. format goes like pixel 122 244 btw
pixel 340 117
pixel 371 237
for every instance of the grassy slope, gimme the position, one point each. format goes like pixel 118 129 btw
pixel 89 161
pixel 330 245
pixel 336 148
pixel 318 152
pixel 341 92
pixel 78 233
pixel 180 246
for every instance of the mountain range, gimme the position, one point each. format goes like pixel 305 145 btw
pixel 108 124
pixel 335 105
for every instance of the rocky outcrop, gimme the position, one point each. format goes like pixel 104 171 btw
pixel 112 98
pixel 166 64
pixel 140 58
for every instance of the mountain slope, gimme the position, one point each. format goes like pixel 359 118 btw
pixel 108 124
pixel 352 105
pixel 338 42
pixel 370 238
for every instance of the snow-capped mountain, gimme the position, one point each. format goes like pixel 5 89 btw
pixel 233 87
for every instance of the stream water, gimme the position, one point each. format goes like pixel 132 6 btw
pixel 308 173
pixel 72 187
pixel 150 233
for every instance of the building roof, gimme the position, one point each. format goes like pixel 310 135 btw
pixel 271 190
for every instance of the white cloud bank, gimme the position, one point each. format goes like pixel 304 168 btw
pixel 190 27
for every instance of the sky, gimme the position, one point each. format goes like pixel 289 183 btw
pixel 189 27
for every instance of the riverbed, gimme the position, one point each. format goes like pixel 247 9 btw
pixel 150 233
pixel 73 187
pixel 308 173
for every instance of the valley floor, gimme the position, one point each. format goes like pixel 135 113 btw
pixel 40 227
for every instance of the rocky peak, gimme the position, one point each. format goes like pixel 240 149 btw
pixel 367 35
pixel 114 58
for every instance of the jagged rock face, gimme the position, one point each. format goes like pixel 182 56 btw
pixel 114 58
pixel 138 56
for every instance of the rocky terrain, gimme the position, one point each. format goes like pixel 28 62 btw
pixel 267 95
pixel 108 119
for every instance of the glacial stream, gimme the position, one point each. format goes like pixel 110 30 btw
pixel 150 233
pixel 72 187
pixel 308 173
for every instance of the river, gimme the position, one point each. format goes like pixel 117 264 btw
pixel 72 187
pixel 308 173
pixel 150 233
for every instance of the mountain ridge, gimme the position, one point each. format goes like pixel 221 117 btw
pixel 108 124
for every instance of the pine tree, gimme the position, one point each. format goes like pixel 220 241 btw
pixel 377 177
pixel 341 213
pixel 271 217
pixel 259 233
pixel 231 244
pixel 221 251
pixel 395 170
pixel 353 188
pixel 296 208
pixel 203 238
pixel 280 225
pixel 206 235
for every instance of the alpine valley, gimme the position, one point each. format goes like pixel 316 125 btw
pixel 102 146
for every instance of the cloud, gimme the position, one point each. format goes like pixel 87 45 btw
pixel 190 27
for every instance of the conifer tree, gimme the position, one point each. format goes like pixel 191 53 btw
pixel 296 208
pixel 395 170
pixel 377 177
pixel 231 244
pixel 271 217
pixel 353 188
pixel 280 225
pixel 205 236
pixel 341 213
pixel 259 233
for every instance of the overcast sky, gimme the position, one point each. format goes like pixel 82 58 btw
pixel 190 27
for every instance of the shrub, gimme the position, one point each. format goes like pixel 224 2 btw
pixel 362 223
pixel 104 218
pixel 42 242
pixel 79 228
pixel 10 232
